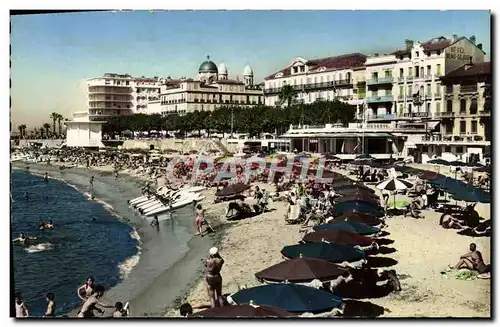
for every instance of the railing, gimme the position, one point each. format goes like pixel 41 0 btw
pixel 484 113
pixel 310 86
pixel 428 77
pixel 437 95
pixel 415 115
pixel 401 97
pixel 385 80
pixel 468 89
pixel 446 114
pixel 381 98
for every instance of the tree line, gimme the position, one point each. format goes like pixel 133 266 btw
pixel 44 130
pixel 251 120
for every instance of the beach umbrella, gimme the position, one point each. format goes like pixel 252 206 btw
pixel 350 226
pixel 337 236
pixel 394 185
pixel 447 183
pixel 364 156
pixel 361 207
pixel 353 192
pixel 289 297
pixel 302 270
pixel 363 197
pixel 438 162
pixel 233 189
pixel 471 194
pixel 350 186
pixel 358 217
pixel 326 251
pixel 244 311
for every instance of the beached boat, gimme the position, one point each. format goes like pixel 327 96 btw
pixel 173 199
pixel 176 205
pixel 143 198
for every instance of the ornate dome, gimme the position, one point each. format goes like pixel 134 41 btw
pixel 222 69
pixel 208 66
pixel 247 71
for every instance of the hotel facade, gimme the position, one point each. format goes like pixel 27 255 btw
pixel 120 94
pixel 211 89
pixel 318 79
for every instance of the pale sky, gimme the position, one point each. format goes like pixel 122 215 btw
pixel 53 54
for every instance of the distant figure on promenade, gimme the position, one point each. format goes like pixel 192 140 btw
pixel 92 302
pixel 21 308
pixel 51 305
pixel 213 278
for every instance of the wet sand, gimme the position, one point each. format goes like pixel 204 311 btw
pixel 171 256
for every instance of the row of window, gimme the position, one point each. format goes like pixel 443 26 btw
pixel 216 98
pixel 312 80
pixel 448 128
pixel 415 71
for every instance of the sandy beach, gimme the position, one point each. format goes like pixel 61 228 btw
pixel 423 250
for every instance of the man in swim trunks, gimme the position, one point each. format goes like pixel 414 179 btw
pixel 213 278
pixel 199 219
pixel 91 303
pixel 46 177
pixel 23 238
pixel 91 181
pixel 21 308
pixel 51 305
pixel 472 260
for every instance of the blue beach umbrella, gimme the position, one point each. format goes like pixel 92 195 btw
pixel 471 194
pixel 289 297
pixel 357 206
pixel 438 162
pixel 351 226
pixel 326 251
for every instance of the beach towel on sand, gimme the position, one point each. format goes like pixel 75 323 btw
pixel 464 274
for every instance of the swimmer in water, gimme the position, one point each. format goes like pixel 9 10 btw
pixel 48 225
pixel 46 177
pixel 23 239
pixel 51 305
pixel 87 289
pixel 26 196
pixel 21 308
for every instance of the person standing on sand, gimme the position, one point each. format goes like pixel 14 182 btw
pixel 87 289
pixel 46 177
pixel 91 182
pixel 21 308
pixel 199 219
pixel 213 278
pixel 91 303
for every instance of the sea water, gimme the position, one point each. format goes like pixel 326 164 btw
pixel 87 240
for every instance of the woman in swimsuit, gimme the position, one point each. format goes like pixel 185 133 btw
pixel 200 217
pixel 213 278
pixel 87 289
pixel 51 305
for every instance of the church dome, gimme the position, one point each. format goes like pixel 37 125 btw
pixel 222 69
pixel 247 71
pixel 208 66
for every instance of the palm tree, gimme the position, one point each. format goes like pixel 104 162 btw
pixel 287 94
pixel 54 117
pixel 60 118
pixel 22 130
pixel 46 126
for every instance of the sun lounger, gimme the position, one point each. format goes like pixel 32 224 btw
pixel 293 214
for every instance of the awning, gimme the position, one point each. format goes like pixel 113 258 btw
pixel 431 125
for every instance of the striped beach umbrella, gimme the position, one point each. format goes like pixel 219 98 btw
pixel 394 185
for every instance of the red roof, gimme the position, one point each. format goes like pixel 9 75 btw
pixel 483 68
pixel 352 60
pixel 440 45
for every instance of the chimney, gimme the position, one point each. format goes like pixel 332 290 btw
pixel 454 38
pixel 473 39
pixel 409 44
pixel 480 46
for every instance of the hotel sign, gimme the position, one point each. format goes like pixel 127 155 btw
pixel 458 53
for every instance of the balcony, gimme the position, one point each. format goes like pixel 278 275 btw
pixel 415 115
pixel 380 99
pixel 380 81
pixel 428 77
pixel 484 113
pixel 409 78
pixel 438 95
pixel 401 79
pixel 381 117
pixel 343 82
pixel 446 114
pixel 401 97
pixel 468 89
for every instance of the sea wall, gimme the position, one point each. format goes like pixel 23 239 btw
pixel 178 145
pixel 45 143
